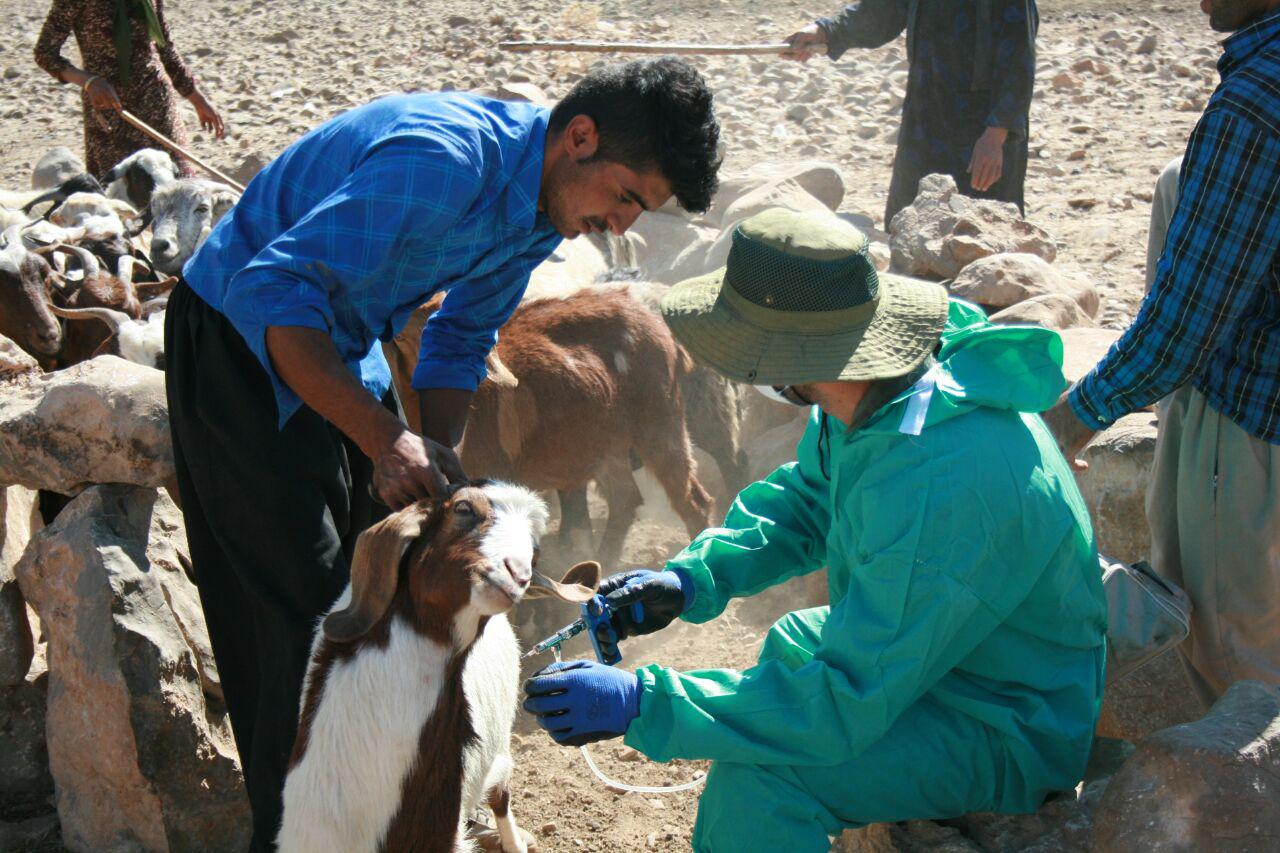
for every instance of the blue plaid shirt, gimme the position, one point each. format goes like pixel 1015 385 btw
pixel 365 217
pixel 1213 314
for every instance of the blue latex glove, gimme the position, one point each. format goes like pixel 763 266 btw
pixel 582 701
pixel 642 601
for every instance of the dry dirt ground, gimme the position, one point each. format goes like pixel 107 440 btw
pixel 1110 111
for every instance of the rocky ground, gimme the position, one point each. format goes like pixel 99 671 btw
pixel 1119 86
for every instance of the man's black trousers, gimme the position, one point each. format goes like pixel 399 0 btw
pixel 272 518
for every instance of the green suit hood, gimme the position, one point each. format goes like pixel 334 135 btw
pixel 981 364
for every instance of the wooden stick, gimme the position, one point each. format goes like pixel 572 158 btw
pixel 169 143
pixel 645 47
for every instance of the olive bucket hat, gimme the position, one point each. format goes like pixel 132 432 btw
pixel 800 301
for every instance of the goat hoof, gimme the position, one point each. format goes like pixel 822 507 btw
pixel 491 842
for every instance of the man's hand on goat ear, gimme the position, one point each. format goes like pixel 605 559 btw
pixel 413 467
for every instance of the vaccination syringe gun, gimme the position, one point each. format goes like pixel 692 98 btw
pixel 595 616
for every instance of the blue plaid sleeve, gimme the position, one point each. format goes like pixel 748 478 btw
pixel 415 185
pixel 458 337
pixel 1222 241
pixel 1014 63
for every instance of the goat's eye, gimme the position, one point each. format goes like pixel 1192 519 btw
pixel 464 508
pixel 204 208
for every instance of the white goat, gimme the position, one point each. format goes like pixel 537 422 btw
pixel 139 341
pixel 96 214
pixel 408 702
pixel 182 215
pixel 135 178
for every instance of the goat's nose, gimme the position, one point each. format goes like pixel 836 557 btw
pixel 519 570
pixel 49 341
pixel 159 244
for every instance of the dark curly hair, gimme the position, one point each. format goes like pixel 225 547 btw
pixel 652 113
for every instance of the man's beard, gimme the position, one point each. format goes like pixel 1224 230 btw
pixel 1227 16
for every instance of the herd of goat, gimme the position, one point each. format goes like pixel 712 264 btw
pixel 86 266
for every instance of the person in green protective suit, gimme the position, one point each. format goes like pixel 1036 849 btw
pixel 959 664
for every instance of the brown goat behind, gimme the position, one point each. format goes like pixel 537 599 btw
pixel 598 381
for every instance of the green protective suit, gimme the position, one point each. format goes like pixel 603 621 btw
pixel 959 666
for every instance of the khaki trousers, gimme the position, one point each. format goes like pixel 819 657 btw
pixel 1214 509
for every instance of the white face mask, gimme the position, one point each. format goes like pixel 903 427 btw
pixel 767 390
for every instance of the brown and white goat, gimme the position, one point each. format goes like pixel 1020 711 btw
pixel 408 702
pixel 597 379
pixel 95 287
pixel 25 318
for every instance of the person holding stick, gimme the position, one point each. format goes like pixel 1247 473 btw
pixel 130 63
pixel 972 71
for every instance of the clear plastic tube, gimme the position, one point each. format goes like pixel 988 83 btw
pixel 635 789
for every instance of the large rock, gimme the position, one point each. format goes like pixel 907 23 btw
pixel 1209 785
pixel 788 194
pixel 1115 485
pixel 18 520
pixel 101 421
pixel 815 177
pixel 15 361
pixel 671 247
pixel 1153 697
pixel 140 749
pixel 767 451
pixel 1004 280
pixel 1084 348
pixel 25 783
pixel 1051 310
pixel 943 231
pixel 574 264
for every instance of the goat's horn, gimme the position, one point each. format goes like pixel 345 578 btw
pixel 88 260
pixel 578 585
pixel 124 269
pixel 151 306
pixel 55 193
pixel 375 571
pixel 113 318
pixel 498 372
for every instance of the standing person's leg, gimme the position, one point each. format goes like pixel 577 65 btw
pixel 1214 509
pixel 272 516
pixel 1164 200
pixel 909 166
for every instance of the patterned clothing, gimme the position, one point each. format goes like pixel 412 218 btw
pixel 108 139
pixel 1212 317
pixel 365 217
pixel 972 67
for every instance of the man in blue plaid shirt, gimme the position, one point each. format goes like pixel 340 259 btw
pixel 1208 339
pixel 279 396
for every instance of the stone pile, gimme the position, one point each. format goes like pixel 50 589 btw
pixel 117 712
pixel 140 746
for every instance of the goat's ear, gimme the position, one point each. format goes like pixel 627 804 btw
pixel 578 585
pixel 499 375
pixel 149 290
pixel 222 201
pixel 375 569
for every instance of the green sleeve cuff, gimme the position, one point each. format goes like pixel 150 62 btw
pixel 653 732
